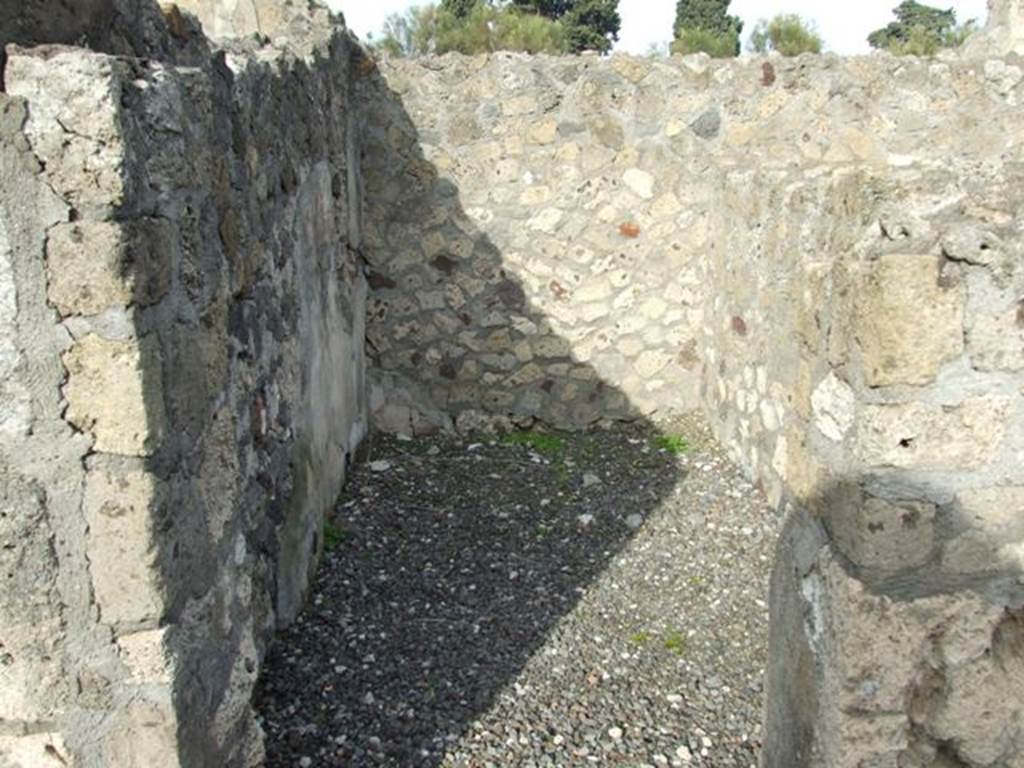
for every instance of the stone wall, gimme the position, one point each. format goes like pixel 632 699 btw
pixel 181 343
pixel 826 256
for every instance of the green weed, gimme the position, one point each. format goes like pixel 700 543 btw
pixel 334 536
pixel 673 444
pixel 542 443
pixel 675 643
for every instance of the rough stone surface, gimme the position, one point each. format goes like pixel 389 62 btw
pixel 827 260
pixel 181 315
pixel 908 323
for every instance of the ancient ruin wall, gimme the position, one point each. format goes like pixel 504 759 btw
pixel 182 324
pixel 824 254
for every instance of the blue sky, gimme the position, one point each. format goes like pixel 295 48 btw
pixel 843 24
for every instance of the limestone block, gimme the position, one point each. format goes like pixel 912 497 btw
pixel 924 436
pixel 74 123
pixel 992 536
pixel 120 505
pixel 996 342
pixel 96 265
pixel 114 391
pixel 907 321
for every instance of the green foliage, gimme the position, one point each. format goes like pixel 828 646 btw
pixel 673 444
pixel 590 25
pixel 412 33
pixel 483 29
pixel 788 34
pixel 640 638
pixel 920 30
pixel 705 25
pixel 334 536
pixel 702 41
pixel 458 8
pixel 676 643
pixel 541 442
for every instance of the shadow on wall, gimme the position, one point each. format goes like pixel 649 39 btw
pixel 487 359
pixel 525 305
pixel 211 317
pixel 850 566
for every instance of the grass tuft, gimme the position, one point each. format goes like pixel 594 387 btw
pixel 673 444
pixel 539 441
pixel 676 643
pixel 334 536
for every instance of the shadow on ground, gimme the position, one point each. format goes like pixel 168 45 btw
pixel 451 564
pixel 440 584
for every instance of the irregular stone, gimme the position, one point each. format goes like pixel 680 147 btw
pixel 650 363
pixel 639 182
pixel 543 132
pixel 708 124
pixel 833 403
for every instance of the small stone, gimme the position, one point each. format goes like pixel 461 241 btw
pixel 640 182
pixel 380 466
pixel 305 761
pixel 708 124
pixel 615 733
pixel 634 521
pixel 585 520
pixel 590 480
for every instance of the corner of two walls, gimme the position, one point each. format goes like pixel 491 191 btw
pixel 866 362
pixel 183 318
pixel 831 250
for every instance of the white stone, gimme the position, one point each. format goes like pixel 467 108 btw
pixel 639 182
pixel 834 404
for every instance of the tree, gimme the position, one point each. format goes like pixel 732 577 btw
pixel 705 25
pixel 920 30
pixel 484 28
pixel 458 8
pixel 590 25
pixel 788 34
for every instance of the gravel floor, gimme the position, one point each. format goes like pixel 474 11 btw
pixel 542 600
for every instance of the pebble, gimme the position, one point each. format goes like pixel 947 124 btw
pixel 504 625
